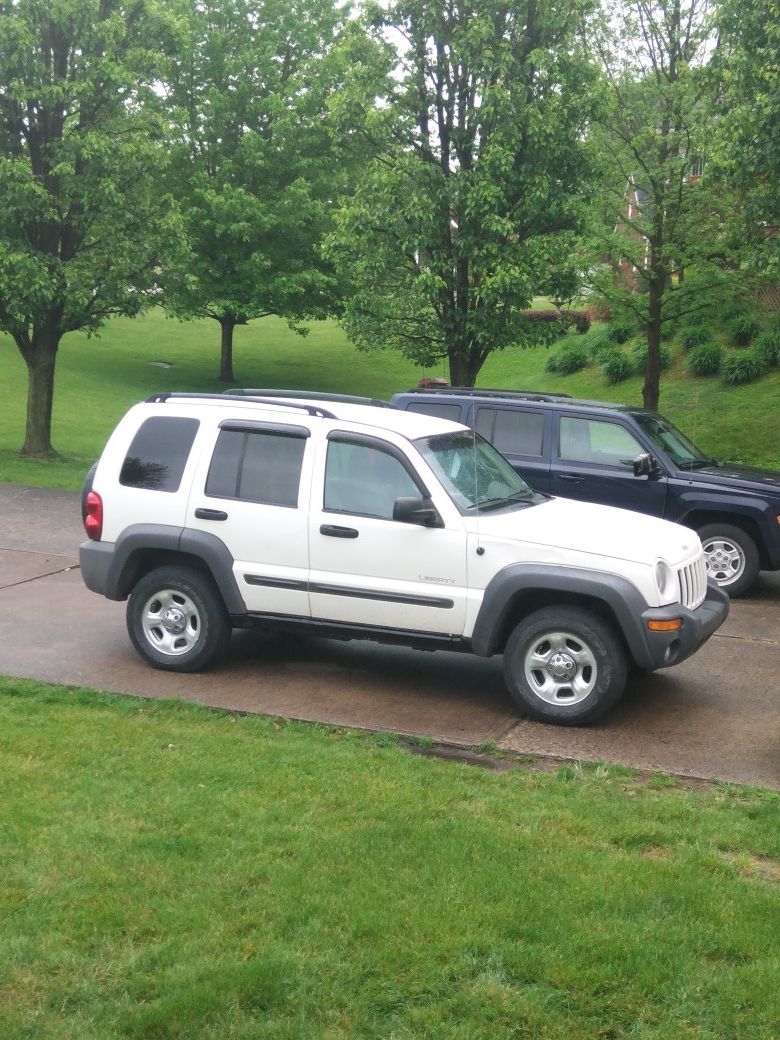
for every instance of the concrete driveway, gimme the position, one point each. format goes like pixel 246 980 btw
pixel 714 716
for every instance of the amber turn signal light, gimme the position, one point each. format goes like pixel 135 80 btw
pixel 665 626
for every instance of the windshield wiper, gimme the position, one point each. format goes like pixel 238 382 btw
pixel 496 503
pixel 699 463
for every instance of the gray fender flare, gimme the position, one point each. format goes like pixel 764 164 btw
pixel 206 547
pixel 623 600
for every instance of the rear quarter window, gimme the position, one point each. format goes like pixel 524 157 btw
pixel 158 453
pixel 437 408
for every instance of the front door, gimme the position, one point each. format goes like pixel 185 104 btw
pixel 368 569
pixel 593 461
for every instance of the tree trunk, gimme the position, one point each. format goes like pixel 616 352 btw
pixel 227 324
pixel 651 391
pixel 40 356
pixel 464 367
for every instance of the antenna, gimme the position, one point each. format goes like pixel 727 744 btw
pixel 695 426
pixel 480 550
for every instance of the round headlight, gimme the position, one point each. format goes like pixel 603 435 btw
pixel 664 578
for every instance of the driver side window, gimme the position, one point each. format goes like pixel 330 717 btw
pixel 597 442
pixel 365 480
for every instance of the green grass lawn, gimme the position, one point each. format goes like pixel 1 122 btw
pixel 97 380
pixel 171 872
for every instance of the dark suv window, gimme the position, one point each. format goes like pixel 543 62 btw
pixel 596 441
pixel 159 452
pixel 511 431
pixel 257 466
pixel 440 409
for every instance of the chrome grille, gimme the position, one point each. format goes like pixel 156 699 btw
pixel 692 580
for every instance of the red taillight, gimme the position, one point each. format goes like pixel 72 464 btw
pixel 93 521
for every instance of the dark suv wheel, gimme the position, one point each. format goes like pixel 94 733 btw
pixel 731 557
pixel 177 620
pixel 565 664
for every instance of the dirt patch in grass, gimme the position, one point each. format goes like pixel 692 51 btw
pixel 502 762
pixel 751 866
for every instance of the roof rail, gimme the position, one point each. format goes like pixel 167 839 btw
pixel 309 395
pixel 478 391
pixel 310 409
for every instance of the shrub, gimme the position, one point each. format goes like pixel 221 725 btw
pixel 581 320
pixel 767 348
pixel 601 344
pixel 567 360
pixel 741 367
pixel 743 330
pixel 705 359
pixel 561 320
pixel 694 336
pixel 731 310
pixel 620 331
pixel 639 357
pixel 615 365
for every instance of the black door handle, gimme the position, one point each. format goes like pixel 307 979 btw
pixel 338 532
pixel 210 514
pixel 573 478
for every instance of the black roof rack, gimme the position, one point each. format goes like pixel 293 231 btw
pixel 310 409
pixel 309 395
pixel 478 391
pixel 526 395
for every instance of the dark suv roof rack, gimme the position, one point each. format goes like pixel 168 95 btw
pixel 307 395
pixel 478 391
pixel 310 409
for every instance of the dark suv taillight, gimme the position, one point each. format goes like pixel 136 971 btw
pixel 93 521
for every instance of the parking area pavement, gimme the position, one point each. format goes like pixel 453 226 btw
pixel 714 716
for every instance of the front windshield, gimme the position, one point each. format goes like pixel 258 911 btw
pixel 472 471
pixel 680 450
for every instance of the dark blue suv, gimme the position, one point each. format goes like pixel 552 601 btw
pixel 627 457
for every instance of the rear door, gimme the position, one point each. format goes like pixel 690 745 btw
pixel 593 461
pixel 368 569
pixel 522 435
pixel 251 491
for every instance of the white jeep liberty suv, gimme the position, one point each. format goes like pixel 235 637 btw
pixel 337 516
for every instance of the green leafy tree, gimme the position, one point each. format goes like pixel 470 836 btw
pixel 747 151
pixel 473 132
pixel 83 222
pixel 252 165
pixel 665 224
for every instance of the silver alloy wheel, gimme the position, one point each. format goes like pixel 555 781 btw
pixel 560 668
pixel 171 622
pixel 725 560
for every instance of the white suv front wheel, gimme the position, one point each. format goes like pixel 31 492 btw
pixel 565 664
pixel 176 619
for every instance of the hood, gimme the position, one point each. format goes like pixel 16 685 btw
pixel 590 529
pixel 731 472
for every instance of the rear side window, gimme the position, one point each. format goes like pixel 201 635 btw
pixel 437 408
pixel 156 459
pixel 511 431
pixel 257 466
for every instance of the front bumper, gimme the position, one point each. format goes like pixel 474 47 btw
pixel 663 649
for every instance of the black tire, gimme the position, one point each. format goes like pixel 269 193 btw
pixel 193 628
pixel 732 557
pixel 592 665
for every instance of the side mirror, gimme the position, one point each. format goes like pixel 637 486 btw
pixel 645 465
pixel 416 511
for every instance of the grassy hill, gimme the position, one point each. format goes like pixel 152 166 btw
pixel 97 379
